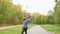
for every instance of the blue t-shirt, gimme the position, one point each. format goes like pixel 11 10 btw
pixel 25 23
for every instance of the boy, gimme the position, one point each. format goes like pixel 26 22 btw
pixel 25 24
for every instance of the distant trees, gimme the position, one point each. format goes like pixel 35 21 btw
pixel 50 19
pixel 42 19
pixel 13 14
pixel 36 18
pixel 39 19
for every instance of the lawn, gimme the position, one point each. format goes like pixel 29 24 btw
pixel 52 28
pixel 16 30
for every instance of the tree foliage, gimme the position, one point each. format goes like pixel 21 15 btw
pixel 9 13
pixel 39 19
pixel 57 12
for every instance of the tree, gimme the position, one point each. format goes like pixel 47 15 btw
pixel 50 17
pixel 9 13
pixel 57 13
pixel 18 13
pixel 5 5
pixel 37 18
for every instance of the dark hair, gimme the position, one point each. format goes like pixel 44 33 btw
pixel 24 19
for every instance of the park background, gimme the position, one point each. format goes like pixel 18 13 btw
pixel 12 14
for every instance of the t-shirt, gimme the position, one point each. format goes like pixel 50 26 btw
pixel 25 23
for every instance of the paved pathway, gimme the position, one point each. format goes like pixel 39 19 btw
pixel 38 30
pixel 6 27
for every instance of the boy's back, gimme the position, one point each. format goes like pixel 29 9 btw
pixel 25 22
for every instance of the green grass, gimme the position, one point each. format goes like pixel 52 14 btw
pixel 52 28
pixel 16 30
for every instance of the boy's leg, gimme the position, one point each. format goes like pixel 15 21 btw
pixel 22 31
pixel 25 30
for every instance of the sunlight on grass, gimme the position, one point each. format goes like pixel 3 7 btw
pixel 16 30
pixel 52 28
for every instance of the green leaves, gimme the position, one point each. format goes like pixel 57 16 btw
pixel 9 13
pixel 57 12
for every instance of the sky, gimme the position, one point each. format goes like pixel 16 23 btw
pixel 41 6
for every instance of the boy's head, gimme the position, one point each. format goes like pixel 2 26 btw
pixel 24 18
